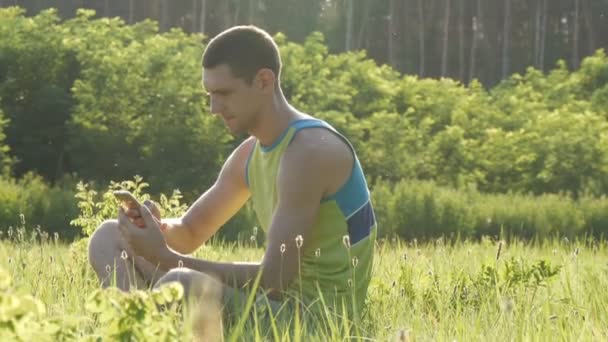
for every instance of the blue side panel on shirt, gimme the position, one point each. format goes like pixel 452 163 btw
pixel 353 198
pixel 361 223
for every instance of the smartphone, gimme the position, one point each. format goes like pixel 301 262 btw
pixel 126 199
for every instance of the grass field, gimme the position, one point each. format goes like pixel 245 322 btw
pixel 556 290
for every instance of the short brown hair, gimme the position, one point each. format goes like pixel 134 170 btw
pixel 246 50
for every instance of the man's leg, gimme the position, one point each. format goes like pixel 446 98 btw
pixel 211 300
pixel 205 297
pixel 106 256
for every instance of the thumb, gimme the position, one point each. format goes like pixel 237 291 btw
pixel 153 208
pixel 149 219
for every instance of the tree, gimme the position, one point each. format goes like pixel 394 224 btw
pixel 446 30
pixel 575 35
pixel 5 159
pixel 421 39
pixel 506 36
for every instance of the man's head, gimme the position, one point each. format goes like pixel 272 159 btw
pixel 241 69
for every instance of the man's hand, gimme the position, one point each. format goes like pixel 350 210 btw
pixel 146 241
pixel 133 213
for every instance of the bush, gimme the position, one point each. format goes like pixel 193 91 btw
pixel 30 202
pixel 424 210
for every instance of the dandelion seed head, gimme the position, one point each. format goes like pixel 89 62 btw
pixel 282 248
pixel 507 305
pixel 56 236
pixel 350 282
pixel 252 239
pixel 318 253
pixel 255 230
pixel 346 241
pixel 403 336
pixel 108 269
pixel 299 241
pixel 180 263
pixel 22 218
pixel 355 261
pixel 123 255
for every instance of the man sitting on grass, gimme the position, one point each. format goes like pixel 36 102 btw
pixel 305 182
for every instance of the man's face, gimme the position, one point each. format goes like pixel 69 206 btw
pixel 232 99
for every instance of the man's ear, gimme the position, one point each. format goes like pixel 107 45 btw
pixel 265 80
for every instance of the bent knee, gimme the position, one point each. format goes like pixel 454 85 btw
pixel 107 232
pixel 189 279
pixel 105 239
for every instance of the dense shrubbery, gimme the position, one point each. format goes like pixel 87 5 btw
pixel 105 101
pixel 424 210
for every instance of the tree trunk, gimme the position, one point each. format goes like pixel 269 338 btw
pixel 575 39
pixel 392 34
pixel 506 37
pixel 475 37
pixel 421 41
pixel 164 15
pixel 237 11
pixel 537 25
pixel 364 21
pixel 589 26
pixel 350 14
pixel 461 39
pixel 202 16
pixel 251 15
pixel 543 36
pixel 131 11
pixel 446 31
pixel 193 23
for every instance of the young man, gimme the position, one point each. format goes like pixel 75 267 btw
pixel 304 179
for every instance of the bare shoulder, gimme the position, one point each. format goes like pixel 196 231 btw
pixel 234 167
pixel 320 153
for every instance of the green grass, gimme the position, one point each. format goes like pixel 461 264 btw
pixel 432 291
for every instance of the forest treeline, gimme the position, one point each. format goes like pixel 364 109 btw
pixel 486 40
pixel 99 100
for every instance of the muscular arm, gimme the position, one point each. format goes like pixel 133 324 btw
pixel 214 208
pixel 302 182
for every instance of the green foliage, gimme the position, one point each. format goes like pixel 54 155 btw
pixel 5 159
pixel 31 202
pixel 104 101
pixel 435 290
pixel 137 315
pixel 96 208
pixel 24 318
pixel 424 210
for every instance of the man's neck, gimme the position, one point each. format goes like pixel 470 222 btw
pixel 274 121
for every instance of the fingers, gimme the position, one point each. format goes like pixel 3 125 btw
pixel 153 208
pixel 124 224
pixel 147 217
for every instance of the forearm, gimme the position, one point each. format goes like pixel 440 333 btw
pixel 179 236
pixel 235 274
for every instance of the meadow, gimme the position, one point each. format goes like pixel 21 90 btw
pixel 432 291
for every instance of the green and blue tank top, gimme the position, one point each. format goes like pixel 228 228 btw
pixel 336 267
